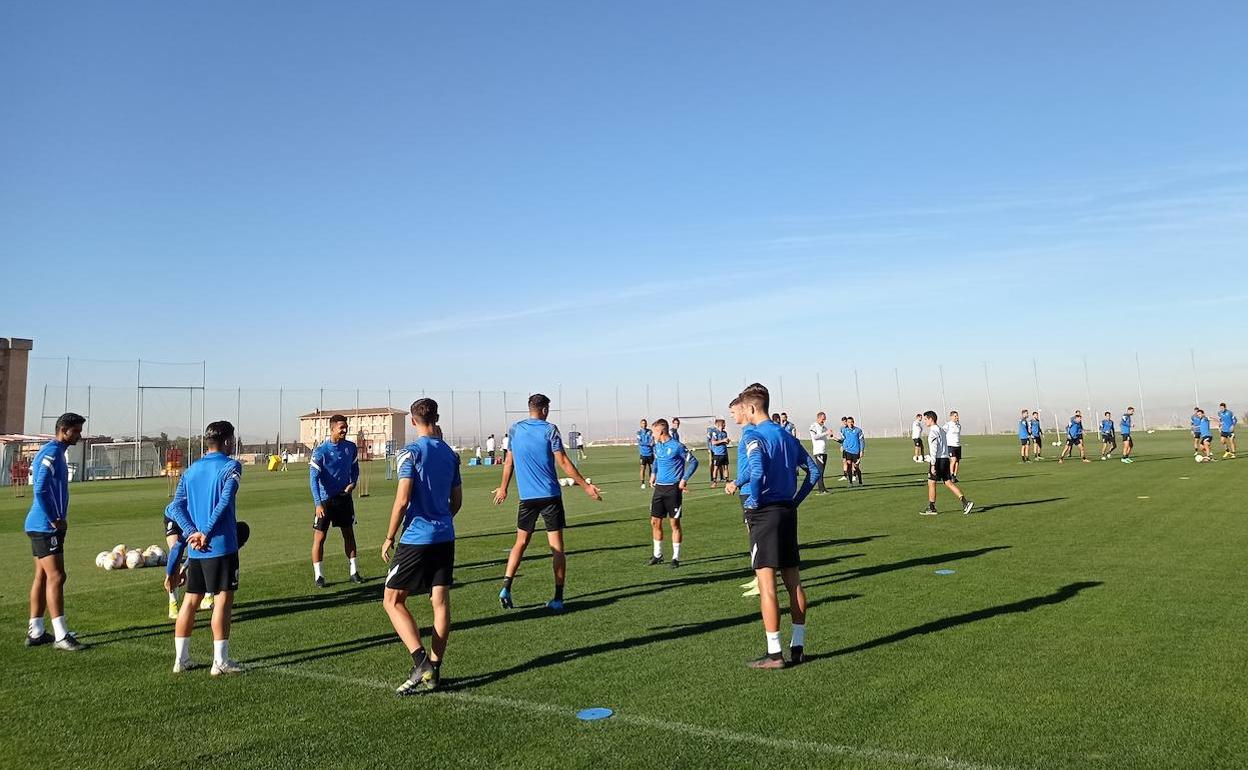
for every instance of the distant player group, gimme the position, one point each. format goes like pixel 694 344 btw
pixel 204 535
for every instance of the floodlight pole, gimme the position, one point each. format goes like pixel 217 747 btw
pixel 988 391
pixel 1087 388
pixel 238 418
pixel 281 396
pixel 203 405
pixel 587 422
pixel 858 393
pixel 479 430
pixel 66 409
pixel 138 414
pixel 1195 381
pixel 710 398
pixel 678 412
pixel 901 422
pixel 819 389
pixel 1139 385
pixel 783 405
pixel 944 399
pixel 647 401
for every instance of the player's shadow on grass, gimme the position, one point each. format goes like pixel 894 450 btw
pixel 879 569
pixel 995 506
pixel 512 532
pixel 539 551
pixel 1065 593
pixel 659 634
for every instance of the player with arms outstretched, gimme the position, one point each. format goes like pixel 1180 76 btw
pixel 536 449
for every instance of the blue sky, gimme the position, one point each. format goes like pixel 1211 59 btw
pixel 503 195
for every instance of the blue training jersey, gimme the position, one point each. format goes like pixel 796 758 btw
pixel 1107 425
pixel 205 503
pixel 1125 424
pixel 1075 429
pixel 773 458
pixel 533 446
pixel 645 442
pixel 672 462
pixel 332 468
pixel 51 488
pixel 742 461
pixel 433 468
pixel 1024 428
pixel 674 433
pixel 852 440
pixel 1227 420
pixel 719 450
pixel 1037 430
pixel 1195 423
pixel 1203 426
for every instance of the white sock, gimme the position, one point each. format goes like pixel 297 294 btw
pixel 34 629
pixel 351 561
pixel 773 642
pixel 173 596
pixel 220 650
pixel 58 627
pixel 658 549
pixel 182 648
pixel 799 635
pixel 316 567
pixel 675 550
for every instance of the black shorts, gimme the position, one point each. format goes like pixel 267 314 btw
pixel 491 454
pixel 418 568
pixel 955 451
pixel 918 442
pixel 941 470
pixel 1126 439
pixel 1228 434
pixel 1038 439
pixel 549 508
pixel 1071 441
pixel 172 529
pixel 1206 439
pixel 773 536
pixel 1195 434
pixel 1107 438
pixel 666 501
pixel 46 543
pixel 647 461
pixel 339 512
pixel 1026 441
pixel 853 457
pixel 719 461
pixel 212 576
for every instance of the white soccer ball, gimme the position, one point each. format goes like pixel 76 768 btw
pixel 1200 458
pixel 588 480
pixel 117 560
pixel 121 549
pixel 151 556
pixel 927 458
pixel 134 559
pixel 103 560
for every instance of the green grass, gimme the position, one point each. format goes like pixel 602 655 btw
pixel 1095 619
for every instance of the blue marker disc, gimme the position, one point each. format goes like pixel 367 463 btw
pixel 944 572
pixel 593 715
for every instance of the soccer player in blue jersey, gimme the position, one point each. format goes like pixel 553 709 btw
pixel 674 430
pixel 203 506
pixel 46 525
pixel 175 539
pixel 428 496
pixel 536 449
pixel 1206 435
pixel 1074 438
pixel 673 467
pixel 1128 443
pixel 1108 442
pixel 332 473
pixel 1196 428
pixel 1226 423
pixel 719 452
pixel 1024 437
pixel 739 417
pixel 772 498
pixel 853 447
pixel 175 564
pixel 1037 437
pixel 645 451
pixel 789 427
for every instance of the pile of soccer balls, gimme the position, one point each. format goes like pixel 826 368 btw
pixel 124 557
pixel 572 482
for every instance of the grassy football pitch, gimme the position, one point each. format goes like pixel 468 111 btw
pixel 1095 617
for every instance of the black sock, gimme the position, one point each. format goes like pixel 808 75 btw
pixel 437 665
pixel 507 582
pixel 559 592
pixel 418 656
pixel 931 506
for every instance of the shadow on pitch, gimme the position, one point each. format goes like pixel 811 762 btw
pixel 512 532
pixel 1065 593
pixel 995 506
pixel 660 634
pixel 880 569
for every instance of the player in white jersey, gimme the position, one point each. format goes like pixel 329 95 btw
pixel 940 472
pixel 953 437
pixel 916 435
pixel 819 435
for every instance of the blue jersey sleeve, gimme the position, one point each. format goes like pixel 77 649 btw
pixel 556 441
pixel 754 472
pixel 691 465
pixel 45 473
pixel 314 476
pixel 177 511
pixel 806 462
pixel 175 556
pixel 229 488
pixel 355 467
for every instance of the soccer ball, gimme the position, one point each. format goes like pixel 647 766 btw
pixel 927 458
pixel 1200 458
pixel 134 559
pixel 104 560
pixel 152 556
pixel 588 480
pixel 116 560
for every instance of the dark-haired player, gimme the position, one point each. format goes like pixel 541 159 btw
pixel 1109 441
pixel 46 524
pixel 536 448
pixel 1226 423
pixel 429 495
pixel 1074 438
pixel 718 439
pixel 1037 437
pixel 940 470
pixel 770 478
pixel 645 451
pixel 204 506
pixel 332 473
pixel 673 467
pixel 1128 443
